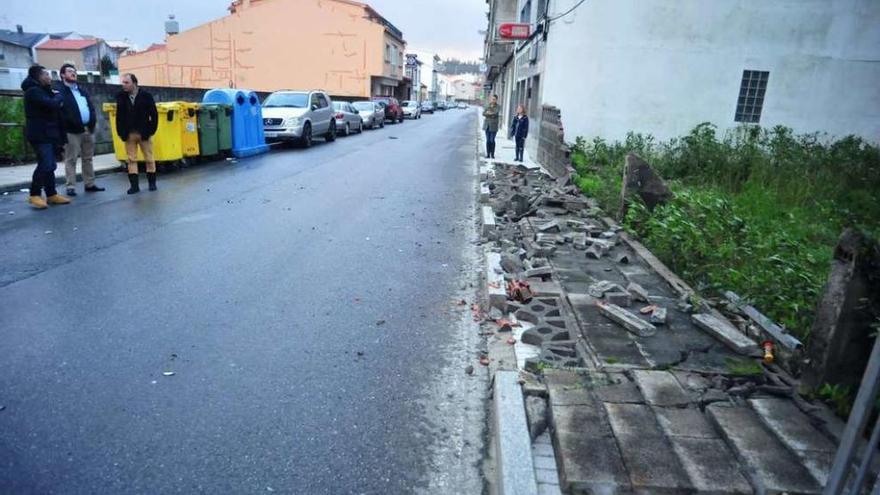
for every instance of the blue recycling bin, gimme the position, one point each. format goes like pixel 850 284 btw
pixel 248 137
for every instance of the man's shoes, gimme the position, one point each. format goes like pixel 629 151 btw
pixel 91 189
pixel 135 187
pixel 151 180
pixel 38 202
pixel 57 199
pixel 72 192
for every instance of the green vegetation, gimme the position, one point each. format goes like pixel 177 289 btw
pixel 743 367
pixel 12 145
pixel 840 398
pixel 757 211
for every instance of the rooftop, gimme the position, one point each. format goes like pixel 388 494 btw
pixel 66 44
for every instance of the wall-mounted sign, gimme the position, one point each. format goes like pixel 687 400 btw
pixel 514 31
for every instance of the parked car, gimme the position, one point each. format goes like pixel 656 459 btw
pixel 411 109
pixel 393 111
pixel 372 113
pixel 463 106
pixel 441 105
pixel 298 116
pixel 427 107
pixel 347 118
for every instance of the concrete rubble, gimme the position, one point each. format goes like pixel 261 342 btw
pixel 641 389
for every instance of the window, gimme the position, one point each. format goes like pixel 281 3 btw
pixel 542 9
pixel 322 101
pixel 525 15
pixel 751 96
pixel 313 101
pixel 387 52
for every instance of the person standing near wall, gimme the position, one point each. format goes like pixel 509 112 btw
pixel 491 115
pixel 44 129
pixel 519 130
pixel 79 118
pixel 136 122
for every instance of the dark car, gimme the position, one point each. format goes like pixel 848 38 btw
pixel 393 112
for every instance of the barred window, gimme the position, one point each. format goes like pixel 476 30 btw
pixel 751 96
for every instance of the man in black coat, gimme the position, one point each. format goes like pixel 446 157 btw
pixel 79 122
pixel 44 129
pixel 136 122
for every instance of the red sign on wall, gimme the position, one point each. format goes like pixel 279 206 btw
pixel 514 31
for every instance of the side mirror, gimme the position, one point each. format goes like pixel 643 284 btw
pixel 314 107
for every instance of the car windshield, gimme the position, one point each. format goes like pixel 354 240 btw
pixel 363 105
pixel 339 105
pixel 291 100
pixel 406 103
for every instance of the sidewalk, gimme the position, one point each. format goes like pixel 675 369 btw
pixel 505 148
pixel 641 388
pixel 19 176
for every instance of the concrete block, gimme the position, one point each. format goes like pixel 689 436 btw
pixel 629 321
pixel 485 193
pixel 550 227
pixel 775 468
pixel 542 271
pixel 567 388
pixel 536 412
pixel 515 469
pixel 692 423
pixel 546 288
pixel 622 299
pixel 489 225
pixel 599 289
pixel 658 316
pixel 638 292
pixel 726 333
pixel 616 388
pixel 495 286
pixel 660 388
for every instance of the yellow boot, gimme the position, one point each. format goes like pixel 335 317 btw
pixel 57 199
pixel 37 202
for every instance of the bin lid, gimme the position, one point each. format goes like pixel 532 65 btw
pixel 109 107
pixel 225 95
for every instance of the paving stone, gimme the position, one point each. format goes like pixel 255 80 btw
pixel 567 388
pixel 776 469
pixel 692 423
pixel 547 489
pixel 542 288
pixel 618 389
pixel 547 476
pixel 646 451
pixel 545 462
pixel 488 220
pixel 589 459
pixel 516 471
pixel 710 465
pixel 660 388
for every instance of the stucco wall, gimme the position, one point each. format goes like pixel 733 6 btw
pixel 664 66
pixel 54 59
pixel 273 44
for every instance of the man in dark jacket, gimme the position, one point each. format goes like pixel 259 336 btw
pixel 79 122
pixel 136 122
pixel 45 131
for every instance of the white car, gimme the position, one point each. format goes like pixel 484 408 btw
pixel 411 109
pixel 299 116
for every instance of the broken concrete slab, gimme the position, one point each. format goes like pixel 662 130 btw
pixel 549 288
pixel 543 271
pixel 536 412
pixel 660 388
pixel 622 299
pixel 616 388
pixel 677 422
pixel 638 292
pixel 710 465
pixel 658 316
pixel 484 192
pixel 567 388
pixel 774 468
pixel 550 227
pixel 726 333
pixel 629 321
pixel 599 289
pixel 495 287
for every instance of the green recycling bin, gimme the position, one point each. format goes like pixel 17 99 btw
pixel 215 129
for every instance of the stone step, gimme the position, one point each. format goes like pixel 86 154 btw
pixel 794 429
pixel 772 467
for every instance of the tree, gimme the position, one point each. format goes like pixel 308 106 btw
pixel 107 65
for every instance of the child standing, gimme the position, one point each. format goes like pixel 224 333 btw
pixel 519 130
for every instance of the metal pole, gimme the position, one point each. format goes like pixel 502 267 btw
pixel 868 458
pixel 852 434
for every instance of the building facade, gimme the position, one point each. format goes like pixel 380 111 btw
pixel 341 46
pixel 414 74
pixel 84 54
pixel 661 67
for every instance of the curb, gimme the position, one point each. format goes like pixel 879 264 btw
pixel 16 186
pixel 515 469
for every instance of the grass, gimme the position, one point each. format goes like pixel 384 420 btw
pixel 756 211
pixel 743 367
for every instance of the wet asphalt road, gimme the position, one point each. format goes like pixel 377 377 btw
pixel 305 301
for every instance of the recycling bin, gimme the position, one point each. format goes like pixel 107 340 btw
pixel 215 129
pixel 176 134
pixel 247 122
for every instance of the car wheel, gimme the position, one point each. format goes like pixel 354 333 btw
pixel 307 136
pixel 361 127
pixel 331 134
pixel 347 130
pixel 382 125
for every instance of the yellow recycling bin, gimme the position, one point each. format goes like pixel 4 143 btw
pixel 176 135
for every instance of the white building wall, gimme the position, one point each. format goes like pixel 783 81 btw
pixel 664 66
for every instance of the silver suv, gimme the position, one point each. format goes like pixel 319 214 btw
pixel 299 116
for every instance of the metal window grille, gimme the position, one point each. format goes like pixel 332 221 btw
pixel 751 96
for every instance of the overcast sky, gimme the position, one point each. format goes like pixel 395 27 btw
pixel 446 27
